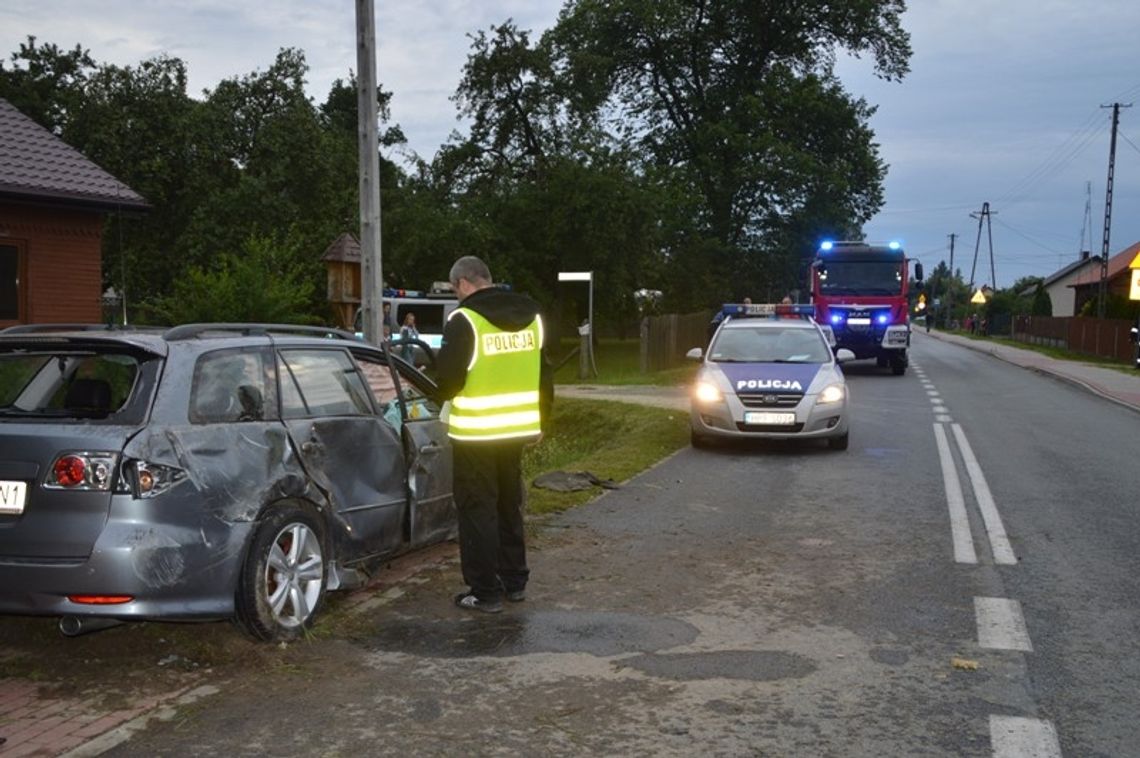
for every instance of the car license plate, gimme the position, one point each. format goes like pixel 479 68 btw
pixel 12 496
pixel 772 419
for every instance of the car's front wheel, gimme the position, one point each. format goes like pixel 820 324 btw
pixel 840 442
pixel 282 582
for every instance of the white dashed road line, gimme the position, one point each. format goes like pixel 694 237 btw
pixel 1001 625
pixel 1013 737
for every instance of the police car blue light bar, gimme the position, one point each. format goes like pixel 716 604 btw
pixel 826 245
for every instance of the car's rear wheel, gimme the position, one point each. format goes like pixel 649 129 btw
pixel 840 442
pixel 282 582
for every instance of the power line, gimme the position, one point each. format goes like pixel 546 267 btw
pixel 1026 237
pixel 1061 155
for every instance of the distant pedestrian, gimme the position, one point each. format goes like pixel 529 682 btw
pixel 408 332
pixel 490 368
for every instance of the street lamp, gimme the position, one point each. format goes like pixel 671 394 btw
pixel 587 329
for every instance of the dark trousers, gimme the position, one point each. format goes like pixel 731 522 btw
pixel 489 499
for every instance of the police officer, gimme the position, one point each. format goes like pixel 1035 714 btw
pixel 491 368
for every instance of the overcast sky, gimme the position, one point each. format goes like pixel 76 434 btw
pixel 1002 103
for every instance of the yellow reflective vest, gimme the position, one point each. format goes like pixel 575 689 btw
pixel 499 399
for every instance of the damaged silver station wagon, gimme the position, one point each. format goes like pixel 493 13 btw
pixel 209 471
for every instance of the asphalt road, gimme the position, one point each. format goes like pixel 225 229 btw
pixel 962 582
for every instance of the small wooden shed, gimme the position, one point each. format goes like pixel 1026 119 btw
pixel 342 263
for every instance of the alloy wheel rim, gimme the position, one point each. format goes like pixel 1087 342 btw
pixel 294 575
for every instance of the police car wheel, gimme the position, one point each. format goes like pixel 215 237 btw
pixel 839 443
pixel 699 440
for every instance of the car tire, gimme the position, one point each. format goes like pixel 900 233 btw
pixel 283 578
pixel 840 442
pixel 699 441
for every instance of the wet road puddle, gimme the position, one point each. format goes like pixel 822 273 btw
pixel 635 640
pixel 510 634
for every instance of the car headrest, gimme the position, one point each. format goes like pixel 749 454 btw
pixel 88 395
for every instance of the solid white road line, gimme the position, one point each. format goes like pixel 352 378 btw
pixel 959 522
pixel 1001 625
pixel 999 542
pixel 1014 737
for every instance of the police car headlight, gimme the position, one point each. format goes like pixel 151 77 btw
pixel 832 393
pixel 705 392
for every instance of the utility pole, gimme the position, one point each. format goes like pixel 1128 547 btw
pixel 983 216
pixel 371 269
pixel 1108 208
pixel 1084 250
pixel 949 284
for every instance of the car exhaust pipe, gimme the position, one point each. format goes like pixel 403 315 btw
pixel 74 626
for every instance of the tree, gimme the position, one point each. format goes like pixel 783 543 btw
pixel 737 102
pixel 262 282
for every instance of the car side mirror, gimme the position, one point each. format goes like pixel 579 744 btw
pixel 695 354
pixel 843 355
pixel 918 271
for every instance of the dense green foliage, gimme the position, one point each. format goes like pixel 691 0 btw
pixel 694 147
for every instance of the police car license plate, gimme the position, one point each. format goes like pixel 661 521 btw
pixel 12 497
pixel 773 419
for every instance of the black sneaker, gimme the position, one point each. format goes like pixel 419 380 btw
pixel 469 602
pixel 516 596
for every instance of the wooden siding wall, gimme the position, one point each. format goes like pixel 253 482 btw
pixel 63 261
pixel 666 339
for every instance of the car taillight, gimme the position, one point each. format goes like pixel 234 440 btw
pixel 152 479
pixel 82 470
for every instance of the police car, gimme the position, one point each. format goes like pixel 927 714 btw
pixel 769 373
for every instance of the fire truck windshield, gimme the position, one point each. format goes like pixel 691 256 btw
pixel 860 278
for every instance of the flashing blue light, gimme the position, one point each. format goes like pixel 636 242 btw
pixel 836 318
pixel 894 245
pixel 883 318
pixel 826 245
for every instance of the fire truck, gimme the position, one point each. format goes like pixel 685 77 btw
pixel 859 292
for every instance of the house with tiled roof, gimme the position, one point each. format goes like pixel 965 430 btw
pixel 1087 285
pixel 53 202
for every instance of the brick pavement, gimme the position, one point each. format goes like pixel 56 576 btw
pixel 33 722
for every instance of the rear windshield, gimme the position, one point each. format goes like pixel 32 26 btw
pixel 66 384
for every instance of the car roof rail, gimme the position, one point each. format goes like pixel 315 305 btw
pixel 42 328
pixel 190 331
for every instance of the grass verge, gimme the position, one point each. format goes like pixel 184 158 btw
pixel 619 362
pixel 611 440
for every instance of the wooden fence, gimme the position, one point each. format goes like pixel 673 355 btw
pixel 1101 337
pixel 666 339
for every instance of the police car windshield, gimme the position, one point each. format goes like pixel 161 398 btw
pixel 769 345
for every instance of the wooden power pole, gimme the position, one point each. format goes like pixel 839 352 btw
pixel 371 269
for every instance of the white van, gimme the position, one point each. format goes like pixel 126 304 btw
pixel 430 309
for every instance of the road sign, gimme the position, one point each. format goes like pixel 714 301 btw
pixel 1135 264
pixel 1134 290
pixel 979 298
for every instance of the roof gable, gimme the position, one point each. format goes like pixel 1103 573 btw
pixel 36 164
pixel 1116 264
